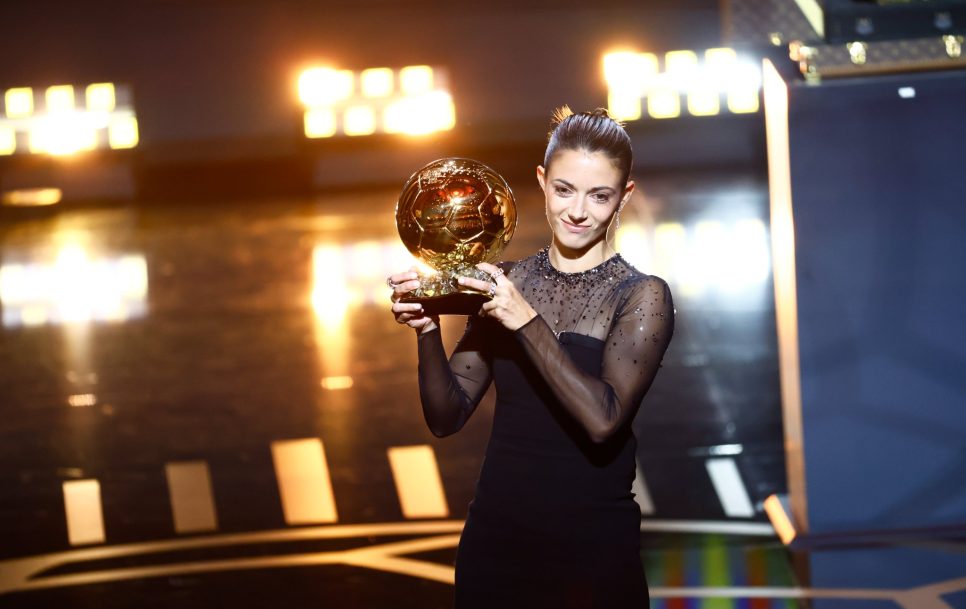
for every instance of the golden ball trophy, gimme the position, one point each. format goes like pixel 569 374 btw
pixel 453 214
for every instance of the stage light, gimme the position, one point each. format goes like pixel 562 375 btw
pixel 412 101
pixel 324 86
pixel 60 98
pixel 8 140
pixel 32 197
pixel 100 97
pixel 19 102
pixel 320 122
pixel 633 80
pixel 415 80
pixel 664 102
pixel 62 127
pixel 624 107
pixel 122 132
pixel 743 94
pixel 63 134
pixel 628 76
pixel 420 115
pixel 681 69
pixel 703 101
pixel 359 120
pixel 376 82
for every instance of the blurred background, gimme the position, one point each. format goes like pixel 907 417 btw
pixel 204 395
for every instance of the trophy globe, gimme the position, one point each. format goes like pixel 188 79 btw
pixel 453 214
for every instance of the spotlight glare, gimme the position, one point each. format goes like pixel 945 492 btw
pixel 101 97
pixel 122 132
pixel 19 102
pixel 60 98
pixel 8 140
pixel 376 82
pixel 324 86
pixel 320 122
pixel 415 80
pixel 359 120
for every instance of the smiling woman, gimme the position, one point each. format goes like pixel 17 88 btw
pixel 572 338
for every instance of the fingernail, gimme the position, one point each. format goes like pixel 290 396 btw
pixel 461 281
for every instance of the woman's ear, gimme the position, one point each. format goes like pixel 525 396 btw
pixel 541 177
pixel 628 191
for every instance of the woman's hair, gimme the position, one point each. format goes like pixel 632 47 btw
pixel 593 131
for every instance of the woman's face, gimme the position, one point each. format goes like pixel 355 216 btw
pixel 583 191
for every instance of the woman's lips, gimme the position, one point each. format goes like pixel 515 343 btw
pixel 575 228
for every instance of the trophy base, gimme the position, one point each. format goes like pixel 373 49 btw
pixel 440 294
pixel 455 303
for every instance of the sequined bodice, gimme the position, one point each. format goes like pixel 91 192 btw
pixel 582 302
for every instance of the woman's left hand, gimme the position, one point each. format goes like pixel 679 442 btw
pixel 507 304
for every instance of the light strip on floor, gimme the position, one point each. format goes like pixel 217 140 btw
pixel 729 487
pixel 780 519
pixel 82 505
pixel 303 481
pixel 192 500
pixel 418 483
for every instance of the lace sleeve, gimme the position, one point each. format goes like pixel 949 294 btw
pixel 451 390
pixel 641 331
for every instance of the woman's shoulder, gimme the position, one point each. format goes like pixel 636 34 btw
pixel 637 282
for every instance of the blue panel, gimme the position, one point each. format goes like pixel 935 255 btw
pixel 956 600
pixel 880 217
pixel 884 567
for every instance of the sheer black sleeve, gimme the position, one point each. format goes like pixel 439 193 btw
pixel 641 331
pixel 451 390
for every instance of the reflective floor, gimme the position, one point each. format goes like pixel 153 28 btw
pixel 210 403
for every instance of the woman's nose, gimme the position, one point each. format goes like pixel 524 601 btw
pixel 577 211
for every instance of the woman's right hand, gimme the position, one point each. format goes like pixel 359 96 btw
pixel 409 313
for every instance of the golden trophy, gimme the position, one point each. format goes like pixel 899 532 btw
pixel 453 214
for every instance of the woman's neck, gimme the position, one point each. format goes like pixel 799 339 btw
pixel 570 260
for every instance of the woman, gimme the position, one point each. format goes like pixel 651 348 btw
pixel 572 338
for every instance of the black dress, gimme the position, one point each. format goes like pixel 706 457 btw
pixel 554 522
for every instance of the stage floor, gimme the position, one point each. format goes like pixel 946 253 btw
pixel 209 403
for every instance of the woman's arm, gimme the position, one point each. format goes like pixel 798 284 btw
pixel 632 355
pixel 451 390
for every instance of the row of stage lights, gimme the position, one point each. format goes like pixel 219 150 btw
pixel 413 100
pixel 635 81
pixel 57 123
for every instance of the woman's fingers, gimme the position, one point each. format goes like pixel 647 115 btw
pixel 402 283
pixel 407 311
pixel 476 284
pixel 492 270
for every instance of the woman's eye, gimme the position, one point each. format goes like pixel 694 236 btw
pixel 560 190
pixel 601 198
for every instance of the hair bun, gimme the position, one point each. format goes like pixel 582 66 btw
pixel 560 115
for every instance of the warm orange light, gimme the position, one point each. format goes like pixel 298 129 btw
pixel 60 98
pixel 421 114
pixel 32 197
pixel 122 132
pixel 414 80
pixel 324 86
pixel 320 122
pixel 19 102
pixel 359 120
pixel 100 97
pixel 376 82
pixel 8 140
